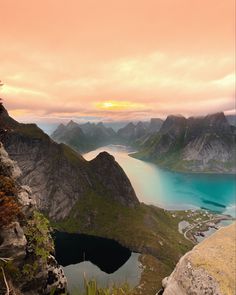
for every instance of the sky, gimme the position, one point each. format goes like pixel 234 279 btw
pixel 112 60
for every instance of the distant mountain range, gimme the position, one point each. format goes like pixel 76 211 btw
pixel 89 136
pixel 84 137
pixel 196 144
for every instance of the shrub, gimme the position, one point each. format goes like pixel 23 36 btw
pixel 9 209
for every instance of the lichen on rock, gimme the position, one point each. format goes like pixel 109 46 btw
pixel 207 269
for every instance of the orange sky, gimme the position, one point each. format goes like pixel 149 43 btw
pixel 116 59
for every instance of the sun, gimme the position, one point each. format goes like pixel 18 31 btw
pixel 114 105
pixel 108 104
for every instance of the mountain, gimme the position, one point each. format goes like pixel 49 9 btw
pixel 72 135
pixel 155 125
pixel 93 197
pixel 89 136
pixel 201 144
pixel 132 133
pixel 84 137
pixel 231 119
pixel 25 239
pixel 58 176
pixel 207 269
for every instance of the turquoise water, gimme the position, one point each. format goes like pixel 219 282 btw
pixel 172 190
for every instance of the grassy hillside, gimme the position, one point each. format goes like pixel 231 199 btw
pixel 145 229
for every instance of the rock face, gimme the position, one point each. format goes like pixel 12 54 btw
pixel 24 239
pixel 207 269
pixel 57 175
pixel 195 144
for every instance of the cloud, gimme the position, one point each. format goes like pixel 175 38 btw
pixel 144 58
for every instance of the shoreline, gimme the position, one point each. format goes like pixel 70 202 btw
pixel 183 171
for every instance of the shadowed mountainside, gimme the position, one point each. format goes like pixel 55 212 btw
pixel 59 176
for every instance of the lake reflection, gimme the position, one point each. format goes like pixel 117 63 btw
pixel 103 259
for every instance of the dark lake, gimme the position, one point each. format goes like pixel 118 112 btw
pixel 103 259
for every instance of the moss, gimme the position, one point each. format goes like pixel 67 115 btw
pixel 39 243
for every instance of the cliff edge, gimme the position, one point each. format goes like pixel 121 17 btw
pixel 209 268
pixel 27 263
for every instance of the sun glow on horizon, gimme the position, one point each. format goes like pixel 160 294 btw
pixel 115 105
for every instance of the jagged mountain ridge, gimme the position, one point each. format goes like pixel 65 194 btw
pixel 84 137
pixel 196 144
pixel 89 136
pixel 57 175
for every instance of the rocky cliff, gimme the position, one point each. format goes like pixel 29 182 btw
pixel 26 247
pixel 207 269
pixel 203 144
pixel 58 176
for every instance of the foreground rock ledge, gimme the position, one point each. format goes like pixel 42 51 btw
pixel 210 268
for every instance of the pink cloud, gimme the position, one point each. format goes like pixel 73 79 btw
pixel 60 59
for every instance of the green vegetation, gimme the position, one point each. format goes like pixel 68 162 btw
pixel 72 156
pixel 40 244
pixel 92 288
pixel 144 229
pixel 171 159
pixel 32 131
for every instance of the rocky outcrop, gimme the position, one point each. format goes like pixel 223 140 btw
pixel 208 269
pixel 203 144
pixel 58 176
pixel 26 247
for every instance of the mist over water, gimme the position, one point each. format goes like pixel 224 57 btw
pixel 172 190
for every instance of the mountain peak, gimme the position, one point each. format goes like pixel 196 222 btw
pixel 105 156
pixel 218 122
pixel 6 122
pixel 100 124
pixel 140 124
pixel 130 124
pixel 173 123
pixel 113 177
pixel 72 125
pixel 216 116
